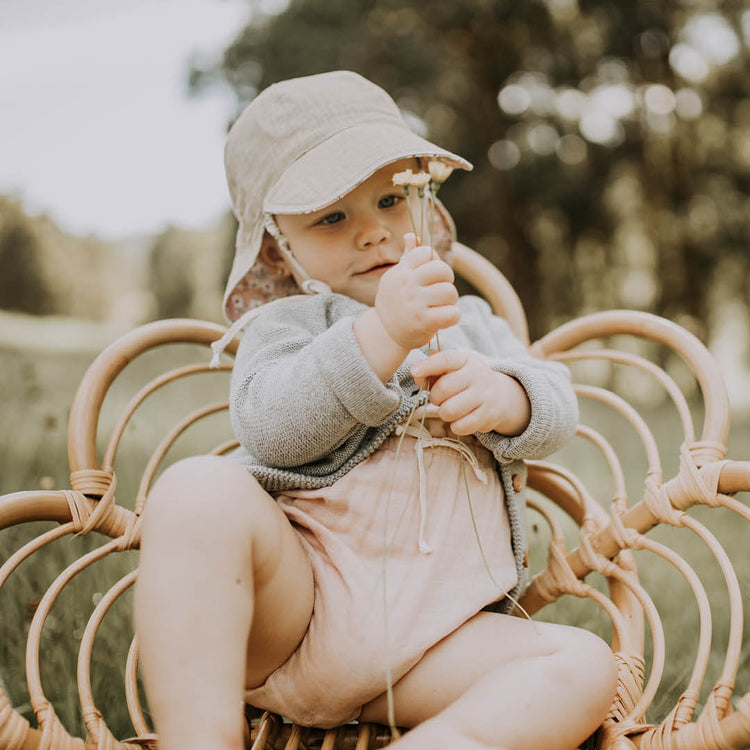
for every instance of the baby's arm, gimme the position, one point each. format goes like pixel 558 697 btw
pixel 415 299
pixel 301 386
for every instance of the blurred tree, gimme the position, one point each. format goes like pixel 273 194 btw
pixel 22 284
pixel 187 270
pixel 46 271
pixel 170 274
pixel 611 141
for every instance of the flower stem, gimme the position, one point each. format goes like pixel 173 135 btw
pixel 479 541
pixel 411 215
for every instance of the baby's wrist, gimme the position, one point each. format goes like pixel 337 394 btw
pixel 384 320
pixel 518 410
pixel 384 354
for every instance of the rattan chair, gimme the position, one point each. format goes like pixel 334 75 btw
pixel 606 526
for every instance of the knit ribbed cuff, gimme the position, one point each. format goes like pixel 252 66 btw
pixel 543 415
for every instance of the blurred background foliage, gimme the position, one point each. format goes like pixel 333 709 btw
pixel 611 144
pixel 611 141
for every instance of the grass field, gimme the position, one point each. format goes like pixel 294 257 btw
pixel 36 388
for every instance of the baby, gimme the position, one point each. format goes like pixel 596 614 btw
pixel 357 556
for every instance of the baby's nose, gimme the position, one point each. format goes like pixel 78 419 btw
pixel 372 232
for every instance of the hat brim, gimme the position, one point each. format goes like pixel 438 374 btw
pixel 327 172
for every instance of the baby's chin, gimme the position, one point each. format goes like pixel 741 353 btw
pixel 364 292
pixel 365 299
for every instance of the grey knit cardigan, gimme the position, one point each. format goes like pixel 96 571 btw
pixel 306 406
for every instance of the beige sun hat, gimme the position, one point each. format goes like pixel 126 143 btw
pixel 298 146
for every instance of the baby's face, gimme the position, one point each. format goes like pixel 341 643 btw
pixel 351 243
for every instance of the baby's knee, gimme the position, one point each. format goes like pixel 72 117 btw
pixel 597 654
pixel 202 489
pixel 591 660
pixel 200 474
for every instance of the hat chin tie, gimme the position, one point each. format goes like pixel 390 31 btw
pixel 307 284
pixel 313 286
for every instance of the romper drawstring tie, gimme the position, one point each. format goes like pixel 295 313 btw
pixel 433 442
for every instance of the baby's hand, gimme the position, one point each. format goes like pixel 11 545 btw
pixel 416 298
pixel 473 397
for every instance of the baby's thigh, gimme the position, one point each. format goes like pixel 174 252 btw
pixel 487 643
pixel 284 595
pixel 236 534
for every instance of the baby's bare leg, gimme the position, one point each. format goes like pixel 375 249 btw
pixel 219 564
pixel 503 682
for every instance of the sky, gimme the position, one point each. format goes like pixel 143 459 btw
pixel 96 126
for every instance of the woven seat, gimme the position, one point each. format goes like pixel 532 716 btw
pixel 587 513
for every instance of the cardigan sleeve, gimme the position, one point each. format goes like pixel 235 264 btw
pixel 300 387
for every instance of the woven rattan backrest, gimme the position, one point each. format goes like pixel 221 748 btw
pixel 584 528
pixel 611 527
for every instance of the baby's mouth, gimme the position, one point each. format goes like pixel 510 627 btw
pixel 381 268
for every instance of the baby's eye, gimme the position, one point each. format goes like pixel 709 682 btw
pixel 333 218
pixel 388 201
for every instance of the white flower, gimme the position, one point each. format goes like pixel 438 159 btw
pixel 439 172
pixel 403 178
pixel 419 180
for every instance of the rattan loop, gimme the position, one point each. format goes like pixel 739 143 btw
pixel 707 451
pixel 79 509
pixel 630 673
pixel 54 734
pixel 685 708
pixel 91 481
pixel 743 709
pixel 624 536
pixel 13 727
pixel 693 485
pixel 706 733
pixel 656 499
pixel 101 733
pixel 690 487
pixel 592 559
pixel 560 578
pixel 102 515
pixel 721 698
pixel 131 538
pixel 708 728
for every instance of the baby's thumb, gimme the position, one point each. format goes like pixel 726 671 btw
pixel 410 241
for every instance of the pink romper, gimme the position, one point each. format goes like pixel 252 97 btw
pixel 374 610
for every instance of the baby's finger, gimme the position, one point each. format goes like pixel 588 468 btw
pixel 415 255
pixel 440 294
pixel 457 406
pixel 433 271
pixel 448 385
pixel 443 316
pixel 469 424
pixel 447 360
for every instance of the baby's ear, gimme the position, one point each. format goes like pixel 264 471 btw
pixel 270 256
